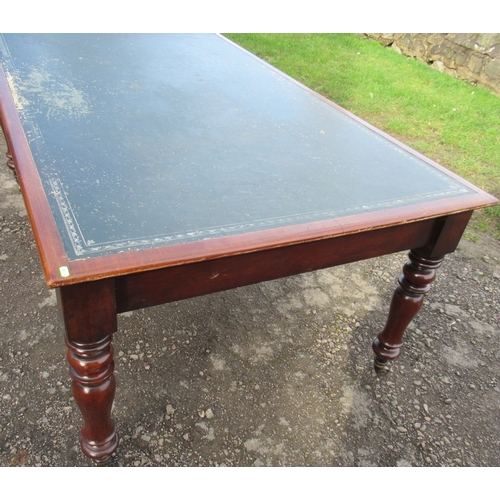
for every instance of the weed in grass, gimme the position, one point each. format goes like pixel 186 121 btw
pixel 471 236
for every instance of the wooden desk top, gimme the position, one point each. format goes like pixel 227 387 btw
pixel 145 151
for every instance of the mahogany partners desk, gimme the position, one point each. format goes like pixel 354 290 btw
pixel 156 168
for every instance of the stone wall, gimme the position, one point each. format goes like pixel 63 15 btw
pixel 473 57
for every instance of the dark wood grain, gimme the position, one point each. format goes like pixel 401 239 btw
pixel 418 274
pixel 149 288
pixel 414 283
pixel 91 368
pixel 89 315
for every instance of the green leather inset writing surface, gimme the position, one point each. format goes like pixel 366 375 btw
pixel 148 140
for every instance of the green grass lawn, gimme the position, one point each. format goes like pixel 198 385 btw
pixel 451 122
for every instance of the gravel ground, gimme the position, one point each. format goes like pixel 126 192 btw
pixel 275 374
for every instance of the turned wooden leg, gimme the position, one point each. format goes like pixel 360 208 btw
pixel 10 161
pixel 11 165
pixel 91 368
pixel 414 283
pixel 89 314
